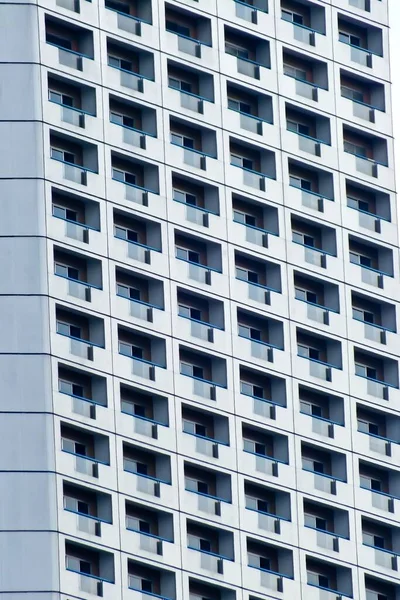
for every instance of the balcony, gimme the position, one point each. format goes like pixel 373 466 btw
pixel 203 260
pixel 307 21
pixel 311 188
pixel 207 374
pixel 260 282
pixel 265 453
pixel 251 10
pixel 79 335
pixel 195 89
pixel 364 43
pixel 72 45
pixel 268 510
pixel 87 392
pixel 251 167
pixel 81 275
pixel 201 318
pixel 324 356
pixel 269 567
pixel 210 549
pixel 328 470
pixel 89 453
pixel 130 69
pixel 208 492
pixel 150 581
pixel 193 33
pixel 130 17
pixel 144 355
pixel 267 394
pixel 210 433
pixel 328 527
pixel 148 413
pixel 152 471
pixel 86 511
pixel 77 218
pixel 153 530
pixel 328 580
pixel 198 147
pixel 89 571
pixel 76 103
pixel 248 56
pixel 377 374
pixel 74 160
pixel 323 414
pixel 305 77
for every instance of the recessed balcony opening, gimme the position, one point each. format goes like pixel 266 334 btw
pixel 324 408
pixel 372 205
pixel 77 102
pixel 252 53
pixel 192 29
pixel 322 518
pixel 329 577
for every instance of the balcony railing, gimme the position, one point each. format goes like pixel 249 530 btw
pixel 74 172
pixel 336 594
pixel 144 592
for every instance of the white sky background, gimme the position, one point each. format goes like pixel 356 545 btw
pixel 394 22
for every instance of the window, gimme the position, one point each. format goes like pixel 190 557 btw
pixel 295 72
pixel 188 255
pixel 351 94
pixel 358 204
pixel 174 27
pixel 196 485
pixel 253 503
pixel 241 161
pixel 355 149
pixel 184 197
pixel 136 524
pixel 349 38
pixel 78 565
pixel 69 330
pixel 314 578
pixel 135 466
pixel 189 312
pixel 302 238
pixel 128 292
pixel 249 389
pixel 370 539
pixel 292 17
pixel 316 466
pixel 254 447
pixel 73 447
pixel 121 119
pixel 249 332
pixel 124 176
pixel 244 218
pixel 180 84
pixel 65 213
pixel 72 389
pixel 300 182
pixel 137 410
pixel 239 106
pixel 130 350
pixel 366 316
pixel 60 98
pixel 360 259
pixel 198 543
pixel 182 140
pixel 120 63
pixel 236 50
pixel 66 271
pixel 76 506
pixel 308 408
pixel 371 483
pixel 194 428
pixel 260 562
pixel 305 295
pixel 140 583
pixel 365 426
pixel 308 352
pixel 191 370
pixel 315 522
pixel 62 155
pixel 364 371
pixel 299 128
pixel 246 275
pixel 122 233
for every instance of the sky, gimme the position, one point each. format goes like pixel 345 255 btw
pixel 394 21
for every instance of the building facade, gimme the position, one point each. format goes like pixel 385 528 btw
pixel 199 297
